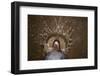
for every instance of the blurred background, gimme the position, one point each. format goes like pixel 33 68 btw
pixel 70 31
